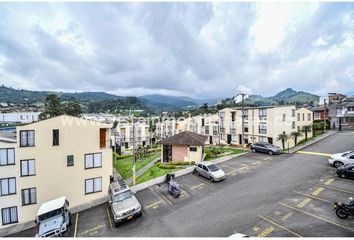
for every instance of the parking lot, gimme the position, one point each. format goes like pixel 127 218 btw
pixel 290 195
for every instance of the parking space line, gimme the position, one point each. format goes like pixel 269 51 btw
pixel 284 228
pixel 317 191
pixel 231 173
pixel 311 196
pixel 333 188
pixel 315 153
pixel 258 162
pixel 75 230
pixel 304 203
pixel 152 204
pixel 109 218
pixel 201 179
pixel 161 195
pixel 197 186
pixel 318 217
pixel 329 181
pixel 344 180
pixel 267 158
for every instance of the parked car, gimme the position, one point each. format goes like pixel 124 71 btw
pixel 210 171
pixel 346 171
pixel 265 148
pixel 53 218
pixel 124 205
pixel 340 159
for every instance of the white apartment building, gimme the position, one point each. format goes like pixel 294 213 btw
pixel 60 156
pixel 125 136
pixel 19 117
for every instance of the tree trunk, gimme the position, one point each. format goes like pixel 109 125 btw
pixel 305 136
pixel 295 140
pixel 283 142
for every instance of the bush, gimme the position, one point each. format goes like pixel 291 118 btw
pixel 182 163
pixel 117 156
pixel 166 166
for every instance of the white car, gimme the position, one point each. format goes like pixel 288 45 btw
pixel 210 171
pixel 340 159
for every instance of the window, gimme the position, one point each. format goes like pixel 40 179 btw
pixel 262 128
pixel 28 168
pixel 93 160
pixel 93 185
pixel 202 122
pixel 246 127
pixel 233 115
pixel 233 138
pixel 215 130
pixel 298 128
pixel 29 196
pixel 192 149
pixel 205 169
pixel 27 138
pixel 9 215
pixel 55 137
pixel 7 156
pixel 207 130
pixel 293 125
pixel 263 139
pixel 7 186
pixel 298 116
pixel 284 116
pixel 262 113
pixel 309 117
pixel 70 160
pixel 245 113
pixel 293 112
pixel 303 117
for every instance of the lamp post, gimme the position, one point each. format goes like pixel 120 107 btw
pixel 134 154
pixel 324 115
pixel 243 119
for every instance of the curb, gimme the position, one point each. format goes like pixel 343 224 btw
pixel 316 140
pixel 180 173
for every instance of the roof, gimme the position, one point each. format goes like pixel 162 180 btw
pixel 185 138
pixel 51 205
pixel 8 137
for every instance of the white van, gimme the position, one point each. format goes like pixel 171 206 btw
pixel 53 218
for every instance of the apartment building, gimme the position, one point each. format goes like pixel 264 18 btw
pixel 342 114
pixel 125 136
pixel 60 156
pixel 19 117
pixel 262 124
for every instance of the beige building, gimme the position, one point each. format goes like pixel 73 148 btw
pixel 60 156
pixel 183 147
pixel 125 135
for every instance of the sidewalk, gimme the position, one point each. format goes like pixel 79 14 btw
pixel 312 141
pixel 141 171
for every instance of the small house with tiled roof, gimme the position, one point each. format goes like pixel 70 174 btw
pixel 183 147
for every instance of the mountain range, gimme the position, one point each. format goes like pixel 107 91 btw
pixel 154 103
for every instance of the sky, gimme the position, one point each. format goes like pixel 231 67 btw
pixel 201 50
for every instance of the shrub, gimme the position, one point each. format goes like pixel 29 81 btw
pixel 117 156
pixel 166 166
pixel 182 163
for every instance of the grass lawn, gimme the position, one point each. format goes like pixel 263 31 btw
pixel 154 172
pixel 224 152
pixel 124 166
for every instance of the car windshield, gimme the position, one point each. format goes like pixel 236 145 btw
pixel 348 153
pixel 50 214
pixel 122 196
pixel 213 168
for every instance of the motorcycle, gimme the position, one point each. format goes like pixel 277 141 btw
pixel 344 210
pixel 173 186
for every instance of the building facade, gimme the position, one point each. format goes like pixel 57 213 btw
pixel 19 117
pixel 60 156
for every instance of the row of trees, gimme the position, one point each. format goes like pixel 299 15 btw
pixel 283 137
pixel 53 107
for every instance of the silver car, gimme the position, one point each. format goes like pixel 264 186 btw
pixel 210 171
pixel 124 205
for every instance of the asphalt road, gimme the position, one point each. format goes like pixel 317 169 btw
pixel 289 195
pixel 221 209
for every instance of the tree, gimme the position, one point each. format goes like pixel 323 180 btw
pixel 316 126
pixel 283 137
pixel 71 108
pixel 295 135
pixel 115 123
pixel 52 107
pixel 306 129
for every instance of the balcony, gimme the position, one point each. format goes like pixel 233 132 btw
pixel 215 133
pixel 222 129
pixel 233 130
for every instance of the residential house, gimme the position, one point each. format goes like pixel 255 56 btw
pixel 60 156
pixel 342 114
pixel 125 134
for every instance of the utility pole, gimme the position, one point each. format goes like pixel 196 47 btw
pixel 324 115
pixel 134 153
pixel 243 119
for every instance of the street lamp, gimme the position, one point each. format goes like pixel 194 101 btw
pixel 243 119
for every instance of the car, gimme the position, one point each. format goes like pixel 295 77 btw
pixel 346 171
pixel 53 218
pixel 340 159
pixel 123 204
pixel 265 148
pixel 239 235
pixel 210 171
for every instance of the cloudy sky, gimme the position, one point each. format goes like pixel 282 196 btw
pixel 198 50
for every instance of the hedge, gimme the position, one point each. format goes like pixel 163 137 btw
pixel 182 163
pixel 165 166
pixel 117 156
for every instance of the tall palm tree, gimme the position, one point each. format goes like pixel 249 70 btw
pixel 283 137
pixel 295 135
pixel 306 129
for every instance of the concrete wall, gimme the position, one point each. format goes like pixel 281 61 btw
pixel 179 153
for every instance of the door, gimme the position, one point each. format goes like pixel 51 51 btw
pixel 240 139
pixel 270 140
pixel 102 137
pixel 261 148
pixel 211 139
pixel 205 172
pixel 126 145
pixel 167 153
pixel 228 138
pixel 351 172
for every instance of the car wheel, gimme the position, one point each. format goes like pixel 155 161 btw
pixel 116 224
pixel 270 152
pixel 342 175
pixel 337 164
pixel 197 173
pixel 253 150
pixel 212 179
pixel 341 214
pixel 194 171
